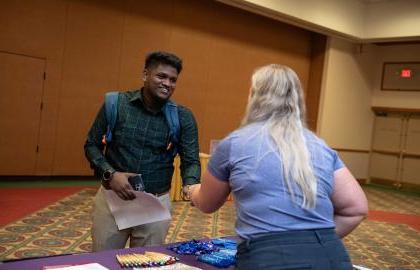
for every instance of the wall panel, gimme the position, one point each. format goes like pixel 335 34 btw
pixel 144 30
pixel 412 143
pixel 37 29
pixel 21 86
pixel 384 166
pixel 95 46
pixel 410 173
pixel 387 133
pixel 90 67
pixel 357 163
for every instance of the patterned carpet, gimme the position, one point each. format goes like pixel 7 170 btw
pixel 63 227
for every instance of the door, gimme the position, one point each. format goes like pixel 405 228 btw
pixel 21 85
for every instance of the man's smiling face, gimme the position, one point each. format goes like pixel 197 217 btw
pixel 160 82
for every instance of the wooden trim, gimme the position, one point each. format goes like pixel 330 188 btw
pixel 362 181
pixel 386 152
pixel 383 181
pixel 313 93
pixel 204 155
pixel 22 54
pixel 378 109
pixel 411 155
pixel 393 43
pixel 395 184
pixel 352 150
pixel 410 187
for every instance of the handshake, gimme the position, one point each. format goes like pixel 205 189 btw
pixel 187 192
pixel 136 182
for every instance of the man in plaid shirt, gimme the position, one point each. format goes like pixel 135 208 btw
pixel 141 145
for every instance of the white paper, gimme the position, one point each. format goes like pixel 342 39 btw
pixel 89 266
pixel 145 208
pixel 358 267
pixel 176 266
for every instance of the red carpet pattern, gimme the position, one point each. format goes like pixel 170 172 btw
pixel 60 228
pixel 33 199
pixel 64 227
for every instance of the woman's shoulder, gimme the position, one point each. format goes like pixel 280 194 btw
pixel 245 132
pixel 311 137
pixel 317 144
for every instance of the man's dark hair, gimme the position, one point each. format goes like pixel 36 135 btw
pixel 154 59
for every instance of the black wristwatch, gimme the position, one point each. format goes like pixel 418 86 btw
pixel 107 175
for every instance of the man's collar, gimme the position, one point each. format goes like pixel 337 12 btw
pixel 138 95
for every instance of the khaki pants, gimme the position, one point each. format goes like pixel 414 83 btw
pixel 105 233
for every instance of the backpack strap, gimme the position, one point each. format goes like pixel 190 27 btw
pixel 111 110
pixel 171 114
pixel 170 111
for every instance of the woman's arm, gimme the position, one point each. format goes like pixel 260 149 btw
pixel 349 201
pixel 211 194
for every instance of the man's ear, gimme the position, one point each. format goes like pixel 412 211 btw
pixel 144 74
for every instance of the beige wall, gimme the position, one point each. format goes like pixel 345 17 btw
pixel 358 163
pixel 397 99
pixel 345 115
pixel 341 16
pixel 351 86
pixel 354 19
pixel 346 119
pixel 394 19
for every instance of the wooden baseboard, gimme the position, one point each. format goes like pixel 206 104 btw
pixel 361 151
pixel 396 185
pixel 362 181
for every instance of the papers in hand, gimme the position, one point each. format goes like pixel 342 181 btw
pixel 145 208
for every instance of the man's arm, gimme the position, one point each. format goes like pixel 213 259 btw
pixel 94 147
pixel 349 200
pixel 188 149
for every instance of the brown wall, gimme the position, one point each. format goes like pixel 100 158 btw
pixel 91 47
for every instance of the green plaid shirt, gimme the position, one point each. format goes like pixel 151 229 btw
pixel 139 144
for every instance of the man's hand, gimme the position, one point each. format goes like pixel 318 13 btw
pixel 120 185
pixel 187 191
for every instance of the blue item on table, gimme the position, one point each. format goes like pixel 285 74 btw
pixel 218 259
pixel 224 243
pixel 194 247
pixel 231 252
pixel 219 252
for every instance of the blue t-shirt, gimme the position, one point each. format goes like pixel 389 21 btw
pixel 249 161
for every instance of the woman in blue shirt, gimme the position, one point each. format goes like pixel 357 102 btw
pixel 294 197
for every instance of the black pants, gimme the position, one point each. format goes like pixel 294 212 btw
pixel 309 249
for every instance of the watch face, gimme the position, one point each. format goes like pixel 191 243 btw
pixel 107 175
